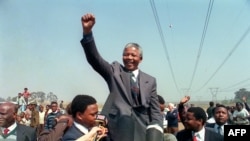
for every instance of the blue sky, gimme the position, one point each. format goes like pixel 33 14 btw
pixel 40 45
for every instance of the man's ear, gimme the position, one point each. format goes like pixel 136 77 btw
pixel 79 115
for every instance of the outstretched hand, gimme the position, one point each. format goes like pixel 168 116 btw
pixel 244 99
pixel 185 99
pixel 88 21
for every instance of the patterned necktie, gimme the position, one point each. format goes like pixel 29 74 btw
pixel 5 131
pixel 134 88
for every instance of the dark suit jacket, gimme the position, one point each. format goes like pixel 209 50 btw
pixel 72 134
pixel 210 135
pixel 120 102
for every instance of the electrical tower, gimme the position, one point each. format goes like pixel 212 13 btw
pixel 214 94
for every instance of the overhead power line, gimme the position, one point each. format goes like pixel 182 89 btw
pixel 163 41
pixel 210 6
pixel 229 87
pixel 228 56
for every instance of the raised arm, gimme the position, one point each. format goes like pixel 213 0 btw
pixel 88 21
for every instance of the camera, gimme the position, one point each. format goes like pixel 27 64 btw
pixel 101 120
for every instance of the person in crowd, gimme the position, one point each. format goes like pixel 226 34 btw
pixel 84 112
pixel 18 119
pixel 172 118
pixel 195 119
pixel 167 136
pixel 61 105
pixel 163 112
pixel 209 109
pixel 26 95
pixel 47 111
pixel 247 107
pixel 11 130
pixel 132 101
pixel 240 115
pixel 63 123
pixel 182 109
pixel 231 110
pixel 21 103
pixel 211 119
pixel 34 120
pixel 244 100
pixel 22 116
pixel 26 120
pixel 221 116
pixel 27 110
pixel 50 119
pixel 41 118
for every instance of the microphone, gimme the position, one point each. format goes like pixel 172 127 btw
pixel 101 120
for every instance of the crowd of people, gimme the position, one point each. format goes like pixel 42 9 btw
pixel 133 111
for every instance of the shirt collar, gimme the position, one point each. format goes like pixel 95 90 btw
pixel 200 134
pixel 81 127
pixel 135 72
pixel 11 128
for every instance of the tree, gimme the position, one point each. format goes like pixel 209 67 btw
pixel 242 92
pixel 51 97
pixel 39 96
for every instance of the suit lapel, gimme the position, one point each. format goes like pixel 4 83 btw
pixel 123 80
pixel 143 87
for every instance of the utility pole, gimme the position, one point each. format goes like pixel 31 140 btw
pixel 214 94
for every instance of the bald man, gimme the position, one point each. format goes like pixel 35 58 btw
pixel 10 130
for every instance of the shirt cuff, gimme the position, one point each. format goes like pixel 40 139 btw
pixel 87 37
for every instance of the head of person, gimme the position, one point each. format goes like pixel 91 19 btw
pixel 132 56
pixel 239 106
pixel 19 94
pixel 54 106
pixel 162 103
pixel 25 89
pixel 170 106
pixel 18 118
pixel 27 116
pixel 47 107
pixel 32 106
pixel 195 119
pixel 8 113
pixel 211 103
pixel 41 108
pixel 84 110
pixel 22 114
pixel 221 115
pixel 68 109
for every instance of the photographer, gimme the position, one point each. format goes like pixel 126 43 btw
pixel 63 122
pixel 91 126
pixel 84 110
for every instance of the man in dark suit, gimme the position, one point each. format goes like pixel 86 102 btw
pixel 132 104
pixel 84 112
pixel 11 130
pixel 221 117
pixel 194 122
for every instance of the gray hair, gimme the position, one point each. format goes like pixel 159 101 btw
pixel 137 46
